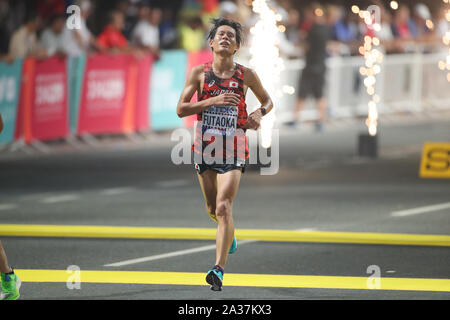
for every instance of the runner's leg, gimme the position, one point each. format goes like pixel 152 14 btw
pixel 4 267
pixel 208 184
pixel 227 187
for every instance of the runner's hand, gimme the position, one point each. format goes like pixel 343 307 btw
pixel 226 99
pixel 254 120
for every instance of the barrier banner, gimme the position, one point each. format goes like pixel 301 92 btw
pixel 168 78
pixel 75 67
pixel 10 76
pixel 141 114
pixel 107 99
pixel 43 103
pixel 196 58
pixel 23 119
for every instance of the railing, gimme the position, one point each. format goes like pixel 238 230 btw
pixel 407 83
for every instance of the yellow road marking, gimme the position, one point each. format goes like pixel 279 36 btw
pixel 435 161
pixel 234 279
pixel 77 231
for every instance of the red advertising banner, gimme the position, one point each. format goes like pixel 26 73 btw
pixel 23 118
pixel 195 58
pixel 49 112
pixel 141 112
pixel 108 95
pixel 43 113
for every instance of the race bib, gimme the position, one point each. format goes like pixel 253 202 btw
pixel 220 120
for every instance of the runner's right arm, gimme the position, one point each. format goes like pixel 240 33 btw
pixel 1 123
pixel 186 108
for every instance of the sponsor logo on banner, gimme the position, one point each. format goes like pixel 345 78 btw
pixel 105 90
pixel 49 97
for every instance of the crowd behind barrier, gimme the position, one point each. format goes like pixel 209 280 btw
pixel 39 28
pixel 122 69
pixel 55 98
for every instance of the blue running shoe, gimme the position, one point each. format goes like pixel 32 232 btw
pixel 214 277
pixel 233 247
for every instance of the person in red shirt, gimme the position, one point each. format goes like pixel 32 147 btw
pixel 112 38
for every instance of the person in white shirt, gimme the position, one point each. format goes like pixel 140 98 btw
pixel 79 40
pixel 24 42
pixel 146 33
pixel 52 37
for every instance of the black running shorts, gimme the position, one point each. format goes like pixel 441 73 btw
pixel 219 168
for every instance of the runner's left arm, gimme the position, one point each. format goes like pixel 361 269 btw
pixel 252 80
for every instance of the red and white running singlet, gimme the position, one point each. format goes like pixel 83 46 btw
pixel 222 122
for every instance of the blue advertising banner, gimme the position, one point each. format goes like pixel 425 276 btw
pixel 75 71
pixel 167 82
pixel 10 75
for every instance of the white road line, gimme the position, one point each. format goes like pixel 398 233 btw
pixel 182 252
pixel 170 254
pixel 7 206
pixel 420 210
pixel 172 183
pixel 116 191
pixel 60 198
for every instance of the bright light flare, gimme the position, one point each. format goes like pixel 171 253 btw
pixel 445 65
pixel 266 60
pixel 394 5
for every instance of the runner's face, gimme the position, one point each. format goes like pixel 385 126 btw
pixel 225 40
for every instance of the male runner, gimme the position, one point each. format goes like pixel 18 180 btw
pixel 221 86
pixel 10 282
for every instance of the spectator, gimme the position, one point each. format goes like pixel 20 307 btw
pixel 345 29
pixel 339 32
pixel 130 16
pixel 442 24
pixel 24 41
pixel 401 25
pixel 79 40
pixel 385 34
pixel 112 39
pixel 421 24
pixel 52 38
pixel 312 79
pixel 192 34
pixel 292 26
pixel 167 30
pixel 50 8
pixel 307 21
pixel 146 33
pixel 286 47
pixel 229 10
pixel 209 9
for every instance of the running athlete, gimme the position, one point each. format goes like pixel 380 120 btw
pixel 222 117
pixel 10 283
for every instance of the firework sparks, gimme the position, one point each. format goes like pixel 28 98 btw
pixel 265 59
pixel 445 65
pixel 373 58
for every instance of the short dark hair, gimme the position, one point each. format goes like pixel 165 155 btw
pixel 217 22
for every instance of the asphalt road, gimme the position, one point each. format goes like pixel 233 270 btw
pixel 321 185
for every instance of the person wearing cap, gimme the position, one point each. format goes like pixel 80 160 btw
pixel 421 25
